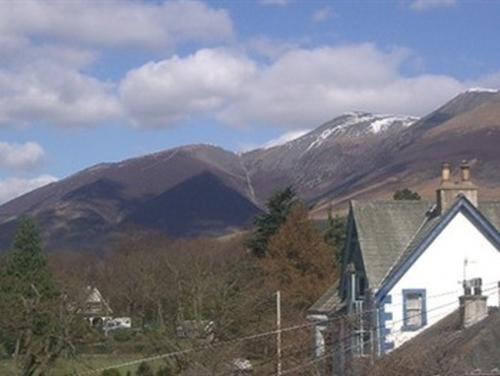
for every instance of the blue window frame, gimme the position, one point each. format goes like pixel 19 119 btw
pixel 414 309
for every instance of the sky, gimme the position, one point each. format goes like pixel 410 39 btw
pixel 85 82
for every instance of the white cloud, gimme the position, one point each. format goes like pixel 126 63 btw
pixel 21 156
pixel 286 137
pixel 47 47
pixel 167 92
pixel 45 84
pixel 19 52
pixel 304 88
pixel 299 89
pixel 420 5
pixel 11 188
pixel 323 14
pixel 114 23
pixel 54 94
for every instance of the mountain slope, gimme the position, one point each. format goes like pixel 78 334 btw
pixel 323 158
pixel 200 189
pixel 469 130
pixel 94 204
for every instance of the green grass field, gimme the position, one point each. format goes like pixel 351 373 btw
pixel 85 364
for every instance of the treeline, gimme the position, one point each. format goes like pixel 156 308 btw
pixel 162 285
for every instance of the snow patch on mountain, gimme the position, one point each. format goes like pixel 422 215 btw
pixel 481 90
pixel 383 124
pixel 359 124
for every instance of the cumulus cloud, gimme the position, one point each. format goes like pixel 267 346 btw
pixel 161 94
pixel 21 156
pixel 11 188
pixel 420 5
pixel 45 84
pixel 308 87
pixel 54 94
pixel 47 48
pixel 19 52
pixel 299 89
pixel 116 23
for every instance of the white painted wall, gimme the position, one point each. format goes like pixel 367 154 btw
pixel 440 271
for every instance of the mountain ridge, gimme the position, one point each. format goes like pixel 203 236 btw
pixel 203 189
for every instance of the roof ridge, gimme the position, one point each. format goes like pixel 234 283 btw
pixel 394 202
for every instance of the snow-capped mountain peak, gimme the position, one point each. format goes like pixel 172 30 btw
pixel 353 125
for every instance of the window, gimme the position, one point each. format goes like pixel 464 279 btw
pixel 414 309
pixel 361 287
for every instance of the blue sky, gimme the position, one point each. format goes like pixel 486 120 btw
pixel 85 82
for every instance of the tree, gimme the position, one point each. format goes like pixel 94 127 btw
pixel 335 235
pixel 300 262
pixel 37 321
pixel 25 280
pixel 406 194
pixel 268 224
pixel 26 263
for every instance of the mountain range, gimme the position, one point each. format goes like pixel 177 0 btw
pixel 206 190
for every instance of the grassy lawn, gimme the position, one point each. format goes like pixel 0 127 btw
pixel 85 363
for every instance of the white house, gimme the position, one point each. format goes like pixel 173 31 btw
pixel 95 308
pixel 404 266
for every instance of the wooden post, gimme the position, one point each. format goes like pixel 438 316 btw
pixel 278 331
pixel 342 348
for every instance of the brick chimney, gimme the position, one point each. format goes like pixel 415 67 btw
pixel 473 307
pixel 449 190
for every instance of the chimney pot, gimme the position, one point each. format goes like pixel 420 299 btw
pixel 465 171
pixel 448 193
pixel 473 308
pixel 445 172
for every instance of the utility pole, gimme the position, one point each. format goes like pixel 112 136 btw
pixel 278 331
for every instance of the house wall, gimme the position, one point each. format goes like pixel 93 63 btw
pixel 440 272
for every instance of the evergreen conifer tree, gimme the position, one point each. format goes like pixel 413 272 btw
pixel 26 265
pixel 335 235
pixel 268 224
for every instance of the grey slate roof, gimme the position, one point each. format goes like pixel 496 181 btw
pixel 385 230
pixel 491 210
pixel 446 349
pixel 328 302
pixel 388 232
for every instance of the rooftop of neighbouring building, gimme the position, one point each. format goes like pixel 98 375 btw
pixel 447 349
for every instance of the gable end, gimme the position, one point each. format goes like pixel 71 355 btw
pixel 462 205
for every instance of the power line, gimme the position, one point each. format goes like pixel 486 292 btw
pixel 331 353
pixel 246 338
